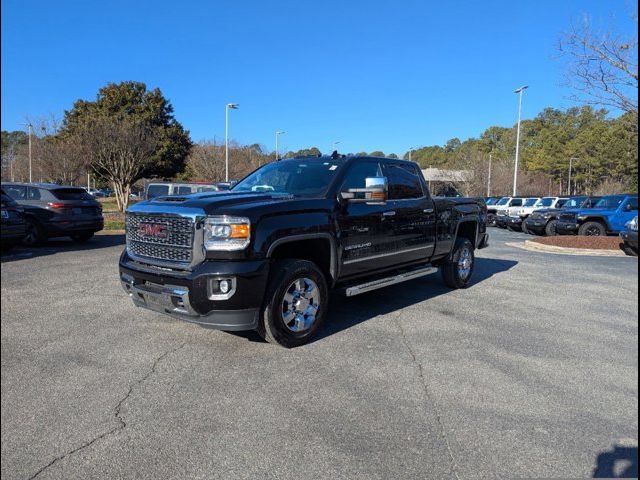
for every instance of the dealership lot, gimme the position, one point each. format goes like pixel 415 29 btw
pixel 532 371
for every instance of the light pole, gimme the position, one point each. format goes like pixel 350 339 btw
pixel 278 133
pixel 228 107
pixel 519 91
pixel 570 172
pixel 30 132
pixel 489 177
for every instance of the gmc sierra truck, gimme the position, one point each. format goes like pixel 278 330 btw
pixel 265 255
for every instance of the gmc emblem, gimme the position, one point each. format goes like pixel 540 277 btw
pixel 153 230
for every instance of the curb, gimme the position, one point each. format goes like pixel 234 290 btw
pixel 540 248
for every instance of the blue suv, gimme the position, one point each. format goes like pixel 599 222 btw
pixel 608 216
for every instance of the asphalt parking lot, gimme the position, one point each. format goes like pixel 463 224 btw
pixel 531 372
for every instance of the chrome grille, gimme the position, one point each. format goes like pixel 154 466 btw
pixel 174 245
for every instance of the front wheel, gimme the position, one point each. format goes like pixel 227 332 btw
pixel 458 270
pixel 592 229
pixel 525 229
pixel 295 305
pixel 551 229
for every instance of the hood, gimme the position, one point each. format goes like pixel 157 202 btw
pixel 242 204
pixel 589 211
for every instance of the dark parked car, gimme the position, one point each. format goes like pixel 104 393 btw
pixel 56 211
pixel 544 221
pixel 630 236
pixel 264 255
pixel 14 226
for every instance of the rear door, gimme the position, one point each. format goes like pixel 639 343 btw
pixel 411 212
pixel 628 210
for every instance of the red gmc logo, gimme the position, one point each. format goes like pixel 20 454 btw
pixel 152 230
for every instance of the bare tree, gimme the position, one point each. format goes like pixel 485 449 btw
pixel 119 150
pixel 207 160
pixel 602 67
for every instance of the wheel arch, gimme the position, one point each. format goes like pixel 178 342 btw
pixel 319 248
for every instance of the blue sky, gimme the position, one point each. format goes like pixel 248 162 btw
pixel 374 75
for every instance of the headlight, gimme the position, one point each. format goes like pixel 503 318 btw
pixel 226 233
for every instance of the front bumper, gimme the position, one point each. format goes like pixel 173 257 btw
pixel 536 224
pixel 514 222
pixel 501 221
pixel 630 237
pixel 567 228
pixel 187 295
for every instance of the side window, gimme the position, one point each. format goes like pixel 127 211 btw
pixel 157 190
pixel 632 205
pixel 33 194
pixel 517 202
pixel 182 190
pixel 404 182
pixel 16 192
pixel 357 174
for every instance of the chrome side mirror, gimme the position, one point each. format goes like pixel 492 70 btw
pixel 376 191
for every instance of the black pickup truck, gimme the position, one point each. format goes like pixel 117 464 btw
pixel 264 255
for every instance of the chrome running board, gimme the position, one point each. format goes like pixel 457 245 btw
pixel 385 282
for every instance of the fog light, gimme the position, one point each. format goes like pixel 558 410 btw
pixel 224 286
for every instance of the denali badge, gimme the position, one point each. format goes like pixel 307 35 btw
pixel 153 230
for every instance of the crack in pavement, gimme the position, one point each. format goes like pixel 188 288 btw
pixel 423 381
pixel 116 412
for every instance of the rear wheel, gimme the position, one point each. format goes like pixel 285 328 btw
pixel 295 304
pixel 82 237
pixel 592 229
pixel 550 229
pixel 458 270
pixel 35 235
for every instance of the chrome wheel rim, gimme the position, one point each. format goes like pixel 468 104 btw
pixel 300 305
pixel 465 263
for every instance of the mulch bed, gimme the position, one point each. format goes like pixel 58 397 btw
pixel 592 243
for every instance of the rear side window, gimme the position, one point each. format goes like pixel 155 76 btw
pixel 561 202
pixel 33 194
pixel 182 190
pixel 359 172
pixel 71 194
pixel 633 204
pixel 404 182
pixel 157 190
pixel 517 202
pixel 17 192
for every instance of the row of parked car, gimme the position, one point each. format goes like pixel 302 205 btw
pixel 576 215
pixel 31 213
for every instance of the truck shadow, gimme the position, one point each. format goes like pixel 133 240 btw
pixel 58 245
pixel 345 313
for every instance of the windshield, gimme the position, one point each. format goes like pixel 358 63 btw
pixel 530 202
pixel 547 201
pixel 491 201
pixel 304 178
pixel 503 201
pixel 611 202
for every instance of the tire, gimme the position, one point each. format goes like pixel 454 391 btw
pixel 592 229
pixel 35 235
pixel 453 273
pixel 491 220
pixel 525 229
pixel 550 229
pixel 282 321
pixel 82 237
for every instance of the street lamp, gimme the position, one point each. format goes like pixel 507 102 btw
pixel 519 91
pixel 489 176
pixel 229 106
pixel 30 132
pixel 278 133
pixel 571 171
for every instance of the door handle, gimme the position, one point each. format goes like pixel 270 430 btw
pixel 428 210
pixel 390 213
